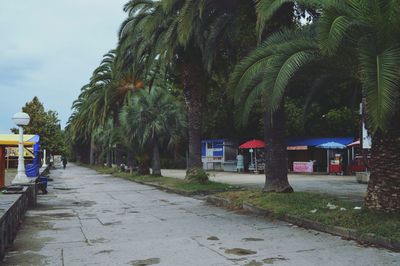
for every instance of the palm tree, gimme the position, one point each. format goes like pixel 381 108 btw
pixel 80 125
pixel 371 29
pixel 265 74
pixel 99 102
pixel 179 36
pixel 106 137
pixel 152 118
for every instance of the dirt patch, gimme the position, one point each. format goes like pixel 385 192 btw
pixel 59 215
pixel 146 262
pixel 111 223
pixel 85 203
pixel 62 188
pixel 240 251
pixel 107 251
pixel 27 258
pixel 251 239
pixel 36 223
pixel 273 259
pixel 28 243
pixel 236 259
pixel 99 240
pixel 254 263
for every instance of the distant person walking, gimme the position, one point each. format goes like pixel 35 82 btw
pixel 64 161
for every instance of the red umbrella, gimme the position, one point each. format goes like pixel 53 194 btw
pixel 253 144
pixel 355 143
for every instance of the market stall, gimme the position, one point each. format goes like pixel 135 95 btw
pixel 219 154
pixel 257 164
pixel 8 142
pixel 304 155
pixel 334 163
pixel 357 162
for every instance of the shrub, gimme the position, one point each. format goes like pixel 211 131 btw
pixel 197 175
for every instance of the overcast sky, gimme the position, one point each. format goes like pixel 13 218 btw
pixel 48 48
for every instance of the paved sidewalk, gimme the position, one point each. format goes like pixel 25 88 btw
pixel 93 219
pixel 344 187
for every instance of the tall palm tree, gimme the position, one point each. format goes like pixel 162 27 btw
pixel 265 74
pixel 80 125
pixel 371 29
pixel 100 101
pixel 106 137
pixel 179 36
pixel 152 118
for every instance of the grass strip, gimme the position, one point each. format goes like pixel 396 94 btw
pixel 315 207
pixel 170 182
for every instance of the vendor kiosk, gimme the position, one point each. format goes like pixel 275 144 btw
pixel 8 141
pixel 335 165
pixel 219 154
pixel 2 167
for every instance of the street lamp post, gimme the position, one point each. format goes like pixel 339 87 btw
pixel 21 119
pixel 44 158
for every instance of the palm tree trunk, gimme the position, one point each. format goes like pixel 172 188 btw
pixel 156 165
pixel 117 124
pixel 92 151
pixel 83 153
pixel 383 191
pixel 193 93
pixel 131 161
pixel 276 159
pixel 108 158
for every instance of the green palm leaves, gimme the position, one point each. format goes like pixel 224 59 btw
pixel 153 116
pixel 100 99
pixel 371 27
pixel 267 71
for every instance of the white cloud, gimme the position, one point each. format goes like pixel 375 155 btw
pixel 48 48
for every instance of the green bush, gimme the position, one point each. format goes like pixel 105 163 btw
pixel 197 175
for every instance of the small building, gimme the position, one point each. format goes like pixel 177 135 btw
pixel 9 154
pixel 219 154
pixel 305 156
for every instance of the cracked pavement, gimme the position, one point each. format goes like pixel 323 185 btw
pixel 94 219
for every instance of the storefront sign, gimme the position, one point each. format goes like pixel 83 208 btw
pixel 297 148
pixel 303 167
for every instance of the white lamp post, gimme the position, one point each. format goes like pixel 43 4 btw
pixel 44 159
pixel 21 119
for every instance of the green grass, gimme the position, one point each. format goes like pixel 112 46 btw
pixel 170 182
pixel 300 204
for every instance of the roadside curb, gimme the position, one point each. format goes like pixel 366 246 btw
pixel 176 191
pixel 346 233
pixel 166 189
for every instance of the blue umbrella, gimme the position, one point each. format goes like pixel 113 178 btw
pixel 331 145
pixel 328 146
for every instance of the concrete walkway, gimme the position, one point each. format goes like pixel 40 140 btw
pixel 93 219
pixel 343 187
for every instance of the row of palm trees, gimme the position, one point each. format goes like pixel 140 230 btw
pixel 366 34
pixel 259 47
pixel 114 112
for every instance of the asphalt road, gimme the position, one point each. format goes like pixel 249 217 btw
pixel 93 219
